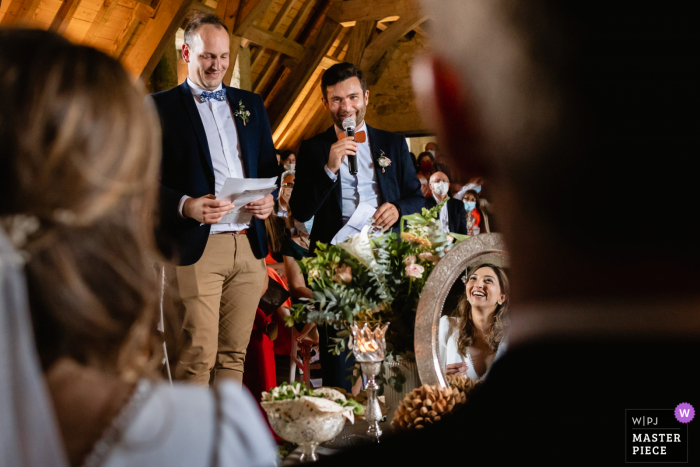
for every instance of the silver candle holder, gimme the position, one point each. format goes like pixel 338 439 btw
pixel 369 348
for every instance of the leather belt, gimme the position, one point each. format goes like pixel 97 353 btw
pixel 232 232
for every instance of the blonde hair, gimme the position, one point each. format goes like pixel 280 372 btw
pixel 81 151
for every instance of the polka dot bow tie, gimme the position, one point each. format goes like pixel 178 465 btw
pixel 219 95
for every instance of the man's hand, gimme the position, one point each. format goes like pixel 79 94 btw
pixel 207 209
pixel 386 216
pixel 261 208
pixel 344 147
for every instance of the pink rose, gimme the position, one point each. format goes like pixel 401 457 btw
pixel 409 260
pixel 415 270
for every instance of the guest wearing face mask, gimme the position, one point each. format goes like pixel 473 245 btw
pixel 440 164
pixel 424 167
pixel 288 160
pixel 473 215
pixel 453 217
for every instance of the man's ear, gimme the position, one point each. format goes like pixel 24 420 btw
pixel 324 102
pixel 445 103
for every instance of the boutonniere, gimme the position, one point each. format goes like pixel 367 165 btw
pixel 242 113
pixel 383 161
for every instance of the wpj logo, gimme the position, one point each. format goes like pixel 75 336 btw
pixel 657 435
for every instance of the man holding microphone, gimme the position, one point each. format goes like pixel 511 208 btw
pixel 336 172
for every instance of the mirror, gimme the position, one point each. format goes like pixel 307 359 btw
pixel 441 296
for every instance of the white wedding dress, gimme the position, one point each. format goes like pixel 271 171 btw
pixel 448 349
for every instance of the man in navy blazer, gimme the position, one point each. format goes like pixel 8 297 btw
pixel 211 133
pixel 326 190
pixel 453 216
pixel 324 187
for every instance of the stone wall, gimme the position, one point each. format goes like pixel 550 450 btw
pixel 392 104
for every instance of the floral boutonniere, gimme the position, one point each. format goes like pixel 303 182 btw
pixel 242 113
pixel 383 161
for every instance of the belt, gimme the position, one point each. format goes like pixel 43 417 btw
pixel 232 232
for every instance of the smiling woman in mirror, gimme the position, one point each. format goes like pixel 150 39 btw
pixel 474 336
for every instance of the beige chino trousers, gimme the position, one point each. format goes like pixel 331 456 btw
pixel 220 294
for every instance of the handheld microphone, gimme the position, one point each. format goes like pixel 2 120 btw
pixel 349 127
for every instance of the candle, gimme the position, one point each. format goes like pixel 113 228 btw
pixel 369 344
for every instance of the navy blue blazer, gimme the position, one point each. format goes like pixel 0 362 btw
pixel 187 169
pixel 315 194
pixel 456 214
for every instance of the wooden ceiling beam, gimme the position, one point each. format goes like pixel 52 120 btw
pixel 376 10
pixel 99 22
pixel 63 16
pixel 142 14
pixel 228 11
pixel 378 47
pixel 284 11
pixel 274 41
pixel 305 68
pixel 20 11
pixel 251 18
pixel 157 34
pixel 359 37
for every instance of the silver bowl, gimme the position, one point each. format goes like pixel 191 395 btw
pixel 308 432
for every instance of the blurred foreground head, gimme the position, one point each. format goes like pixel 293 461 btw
pixel 571 109
pixel 80 155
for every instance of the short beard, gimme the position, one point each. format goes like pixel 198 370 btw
pixel 339 121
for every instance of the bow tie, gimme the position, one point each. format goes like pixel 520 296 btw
pixel 360 136
pixel 219 95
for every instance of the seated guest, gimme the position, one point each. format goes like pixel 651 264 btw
pixel 385 180
pixel 471 340
pixel 288 160
pixel 473 215
pixel 452 215
pixel 425 169
pixel 440 164
pixel 77 191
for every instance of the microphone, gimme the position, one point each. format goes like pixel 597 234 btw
pixel 349 127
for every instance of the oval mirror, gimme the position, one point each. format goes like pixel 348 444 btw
pixel 441 295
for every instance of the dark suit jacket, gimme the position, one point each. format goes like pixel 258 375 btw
pixel 187 167
pixel 315 194
pixel 456 214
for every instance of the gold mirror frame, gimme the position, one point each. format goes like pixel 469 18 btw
pixel 433 298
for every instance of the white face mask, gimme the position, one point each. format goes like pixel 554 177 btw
pixel 432 151
pixel 289 166
pixel 441 188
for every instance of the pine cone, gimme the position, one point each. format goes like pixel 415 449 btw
pixel 425 406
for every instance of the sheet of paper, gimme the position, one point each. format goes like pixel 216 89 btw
pixel 359 219
pixel 241 191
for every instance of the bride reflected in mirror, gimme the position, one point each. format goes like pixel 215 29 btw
pixel 473 337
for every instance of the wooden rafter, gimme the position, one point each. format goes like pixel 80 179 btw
pixel 157 35
pixel 63 16
pixel 256 13
pixel 274 41
pixel 142 14
pixel 100 20
pixel 292 33
pixel 284 11
pixel 359 36
pixel 378 47
pixel 376 10
pixel 300 75
pixel 20 11
pixel 228 11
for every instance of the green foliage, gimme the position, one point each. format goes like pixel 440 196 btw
pixel 380 289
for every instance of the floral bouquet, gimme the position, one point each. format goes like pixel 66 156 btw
pixel 375 279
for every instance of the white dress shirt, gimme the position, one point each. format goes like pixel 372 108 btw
pixel 444 216
pixel 362 188
pixel 224 148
